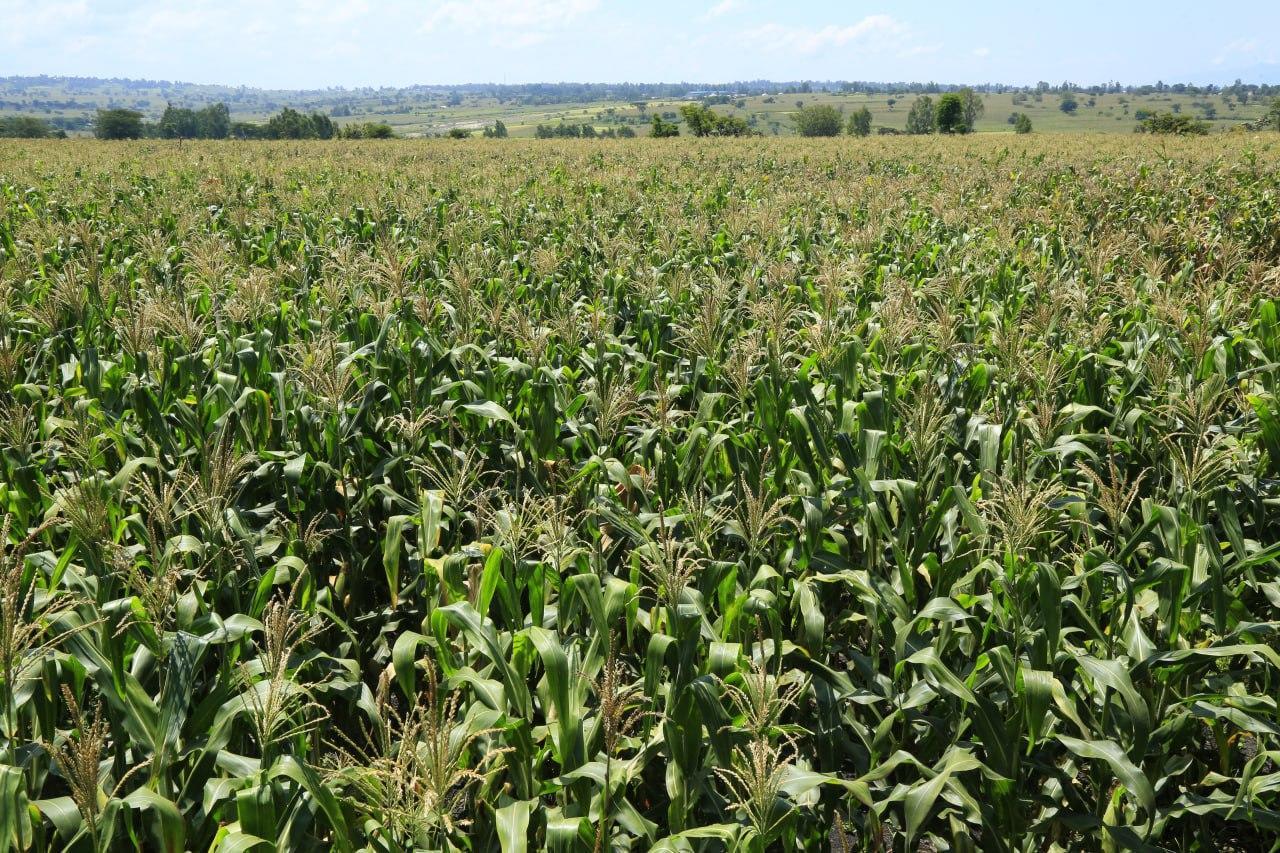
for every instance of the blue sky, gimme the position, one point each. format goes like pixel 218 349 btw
pixel 314 43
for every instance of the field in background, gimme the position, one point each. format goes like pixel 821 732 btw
pixel 772 114
pixel 424 112
pixel 885 495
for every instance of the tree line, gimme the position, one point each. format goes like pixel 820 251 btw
pixel 581 131
pixel 954 113
pixel 214 122
pixel 28 127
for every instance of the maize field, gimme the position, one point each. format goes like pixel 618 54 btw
pixel 694 495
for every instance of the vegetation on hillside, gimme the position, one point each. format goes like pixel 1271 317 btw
pixel 701 120
pixel 819 120
pixel 1169 123
pixel 655 496
pixel 922 119
pixel 766 107
pixel 27 127
pixel 214 122
pixel 660 128
pixel 860 122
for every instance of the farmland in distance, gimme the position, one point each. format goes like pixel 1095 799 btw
pixel 427 111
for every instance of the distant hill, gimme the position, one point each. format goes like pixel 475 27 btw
pixel 70 103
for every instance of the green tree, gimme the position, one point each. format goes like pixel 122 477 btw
pixel 1022 124
pixel 248 130
pixel 118 124
pixel 702 121
pixel 291 124
pixel 1068 104
pixel 178 123
pixel 288 124
pixel 732 126
pixel 1168 123
pixel 321 126
pixel 499 130
pixel 214 122
pixel 949 115
pixel 698 119
pixel 458 133
pixel 974 107
pixel 368 130
pixel 921 118
pixel 211 122
pixel 663 129
pixel 819 120
pixel 24 127
pixel 860 122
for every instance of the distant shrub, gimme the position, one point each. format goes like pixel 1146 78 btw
pixel 565 131
pixel 118 124
pixel 287 124
pixel 1168 123
pixel 950 114
pixel 701 121
pixel 212 122
pixel 820 120
pixel 26 127
pixel 921 119
pixel 368 130
pixel 860 122
pixel 663 129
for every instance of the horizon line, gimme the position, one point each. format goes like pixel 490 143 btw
pixel 1076 85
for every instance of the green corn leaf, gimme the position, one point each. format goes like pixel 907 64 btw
pixel 1126 772
pixel 512 821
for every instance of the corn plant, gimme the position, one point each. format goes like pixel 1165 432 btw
pixel 893 495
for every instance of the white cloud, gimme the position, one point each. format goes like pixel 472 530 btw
pixel 982 52
pixel 1243 49
pixel 528 38
pixel 528 19
pixel 919 50
pixel 724 7
pixel 322 12
pixel 872 31
pixel 80 44
pixel 25 21
pixel 168 22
